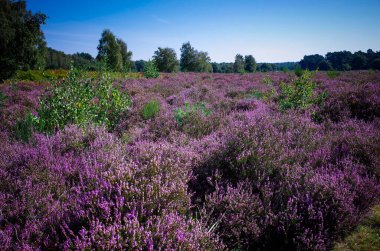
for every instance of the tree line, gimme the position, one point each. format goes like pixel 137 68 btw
pixel 342 61
pixel 23 47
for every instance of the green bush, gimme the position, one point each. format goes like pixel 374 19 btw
pixel 3 97
pixel 366 236
pixel 333 74
pixel 267 80
pixel 298 71
pixel 150 109
pixel 182 115
pixel 81 102
pixel 150 70
pixel 23 128
pixel 255 94
pixel 194 120
pixel 30 75
pixel 299 93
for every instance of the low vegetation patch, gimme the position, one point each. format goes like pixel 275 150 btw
pixel 150 109
pixel 79 101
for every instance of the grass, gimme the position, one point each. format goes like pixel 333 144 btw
pixel 365 237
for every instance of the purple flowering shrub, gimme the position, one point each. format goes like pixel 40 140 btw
pixel 232 172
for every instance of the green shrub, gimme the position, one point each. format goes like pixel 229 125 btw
pixel 3 97
pixel 299 93
pixel 182 115
pixel 81 101
pixel 150 70
pixel 150 109
pixel 267 80
pixel 333 74
pixel 30 75
pixel 365 237
pixel 194 120
pixel 255 94
pixel 298 71
pixel 23 128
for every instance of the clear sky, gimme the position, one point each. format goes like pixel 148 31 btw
pixel 270 30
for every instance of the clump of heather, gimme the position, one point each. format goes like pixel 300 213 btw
pixel 352 101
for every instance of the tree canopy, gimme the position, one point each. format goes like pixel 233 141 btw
pixel 166 60
pixel 113 51
pixel 239 64
pixel 249 63
pixel 193 60
pixel 22 42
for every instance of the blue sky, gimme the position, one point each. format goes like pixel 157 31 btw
pixel 272 31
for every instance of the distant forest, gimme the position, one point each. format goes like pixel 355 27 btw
pixel 23 47
pixel 341 61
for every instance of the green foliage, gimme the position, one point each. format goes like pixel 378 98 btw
pixel 126 56
pixel 250 63
pixel 267 80
pixel 255 94
pixel 375 64
pixel 150 109
pixel 333 74
pixel 139 65
pixel 312 62
pixel 194 120
pixel 150 70
pixel 3 97
pixel 298 71
pixel 80 101
pixel 265 67
pixel 299 93
pixel 109 51
pixel 203 62
pixel 23 128
pixel 22 43
pixel 366 236
pixel 340 60
pixel 30 75
pixel 188 58
pixel 193 60
pixel 182 115
pixel 166 60
pixel 239 64
pixel 51 75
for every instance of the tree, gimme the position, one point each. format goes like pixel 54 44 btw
pixel 375 64
pixel 216 67
pixel 340 60
pixel 166 60
pixel 109 51
pixel 193 60
pixel 265 67
pixel 203 63
pixel 324 65
pixel 83 61
pixel 311 62
pixel 22 42
pixel 150 70
pixel 188 57
pixel 140 65
pixel 126 56
pixel 239 64
pixel 57 59
pixel 249 63
pixel 359 61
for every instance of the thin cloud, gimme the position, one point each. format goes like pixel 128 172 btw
pixel 161 20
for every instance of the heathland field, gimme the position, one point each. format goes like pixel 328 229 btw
pixel 191 161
